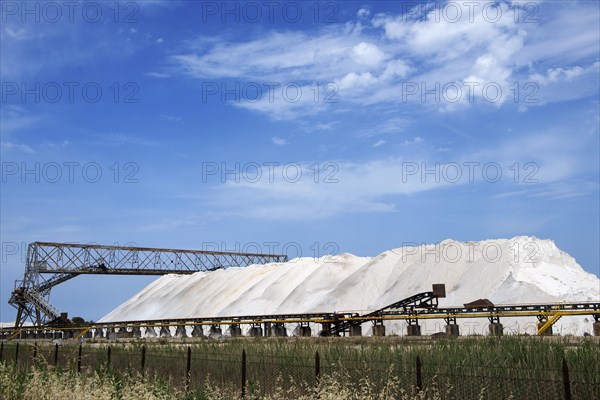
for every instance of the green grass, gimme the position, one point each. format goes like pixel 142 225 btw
pixel 479 368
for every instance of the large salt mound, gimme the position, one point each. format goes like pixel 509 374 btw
pixel 506 271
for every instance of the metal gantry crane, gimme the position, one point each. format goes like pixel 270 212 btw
pixel 50 264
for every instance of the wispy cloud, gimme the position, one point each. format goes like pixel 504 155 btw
pixel 378 143
pixel 374 66
pixel 279 141
pixel 8 146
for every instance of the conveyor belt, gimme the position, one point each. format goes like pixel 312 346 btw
pixel 342 320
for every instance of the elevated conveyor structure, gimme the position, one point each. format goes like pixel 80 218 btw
pixel 422 306
pixel 49 264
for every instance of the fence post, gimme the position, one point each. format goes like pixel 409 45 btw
pixel 108 357
pixel 79 358
pixel 317 368
pixel 17 354
pixel 188 368
pixel 243 374
pixel 419 376
pixel 566 380
pixel 55 354
pixel 1 351
pixel 35 349
pixel 143 360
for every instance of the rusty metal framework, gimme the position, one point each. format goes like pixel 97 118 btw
pixel 63 261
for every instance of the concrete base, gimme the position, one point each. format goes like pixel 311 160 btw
pixel 235 330
pixel 181 332
pixel 452 330
pixel 325 330
pixel 596 328
pixel 355 330
pixel 496 329
pixel 413 330
pixel 279 330
pixel 255 331
pixel 547 332
pixel 378 330
pixel 164 331
pixel 305 331
pixel 215 330
pixel 150 332
pixel 197 331
pixel 124 334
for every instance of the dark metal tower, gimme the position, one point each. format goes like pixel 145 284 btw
pixel 65 261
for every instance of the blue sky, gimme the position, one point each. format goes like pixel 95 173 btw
pixel 320 126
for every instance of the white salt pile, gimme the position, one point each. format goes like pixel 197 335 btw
pixel 506 271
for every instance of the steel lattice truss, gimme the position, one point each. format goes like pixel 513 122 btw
pixel 65 261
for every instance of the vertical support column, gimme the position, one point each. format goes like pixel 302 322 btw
pixel 280 329
pixel 378 328
pixel 137 332
pixel 495 327
pixel 165 332
pixel 413 328
pixel 255 331
pixel 452 328
pixel 150 332
pixel 304 329
pixel 197 331
pixel 180 331
pixel 235 330
pixel 355 330
pixel 215 331
pixel 325 329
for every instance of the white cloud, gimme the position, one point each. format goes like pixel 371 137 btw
pixel 279 141
pixel 387 126
pixel 171 118
pixel 415 140
pixel 363 13
pixel 378 143
pixel 367 54
pixel 21 34
pixel 160 40
pixel 16 146
pixel 157 75
pixel 377 185
pixel 371 65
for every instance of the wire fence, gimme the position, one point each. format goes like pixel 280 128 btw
pixel 239 374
